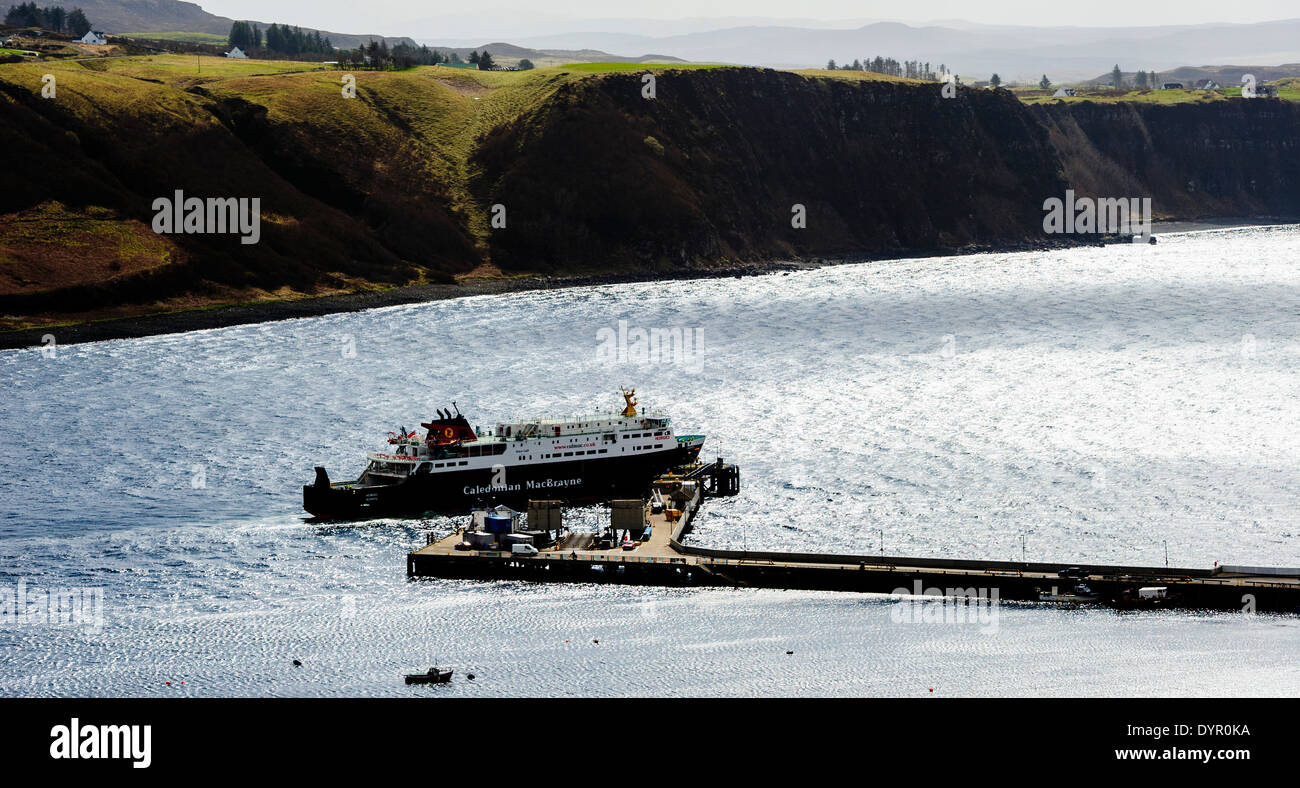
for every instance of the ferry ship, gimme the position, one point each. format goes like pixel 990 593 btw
pixel 455 468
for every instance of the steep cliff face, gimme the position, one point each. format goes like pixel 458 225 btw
pixel 713 166
pixel 1226 158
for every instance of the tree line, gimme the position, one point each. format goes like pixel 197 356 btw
pixel 910 69
pixel 378 56
pixel 279 39
pixel 54 18
pixel 1142 80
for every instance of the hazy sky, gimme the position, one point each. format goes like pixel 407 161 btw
pixel 398 17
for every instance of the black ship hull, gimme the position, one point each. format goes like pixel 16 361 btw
pixel 458 492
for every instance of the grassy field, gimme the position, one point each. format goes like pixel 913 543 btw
pixel 1287 89
pixel 181 70
pixel 1139 96
pixel 199 38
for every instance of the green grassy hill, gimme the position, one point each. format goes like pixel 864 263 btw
pixel 356 193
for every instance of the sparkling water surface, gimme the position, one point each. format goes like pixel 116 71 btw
pixel 1101 404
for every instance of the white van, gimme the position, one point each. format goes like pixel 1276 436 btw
pixel 523 549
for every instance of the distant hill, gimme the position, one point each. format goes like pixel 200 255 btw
pixel 1227 76
pixel 177 16
pixel 974 51
pixel 1230 76
pixel 510 53
pixel 167 16
pixel 146 16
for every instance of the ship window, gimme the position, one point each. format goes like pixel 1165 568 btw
pixel 437 465
pixel 604 451
pixel 500 448
pixel 568 454
pixel 462 462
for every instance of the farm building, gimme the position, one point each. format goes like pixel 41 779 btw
pixel 236 52
pixel 94 37
pixel 1064 92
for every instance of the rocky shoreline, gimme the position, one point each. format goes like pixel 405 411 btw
pixel 241 314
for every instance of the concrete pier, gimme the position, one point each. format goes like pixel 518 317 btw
pixel 664 559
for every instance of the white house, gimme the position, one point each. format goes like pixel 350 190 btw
pixel 1063 92
pixel 236 52
pixel 1207 84
pixel 94 37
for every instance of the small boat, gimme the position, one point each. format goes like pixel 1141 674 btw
pixel 1145 598
pixel 434 676
pixel 1079 593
